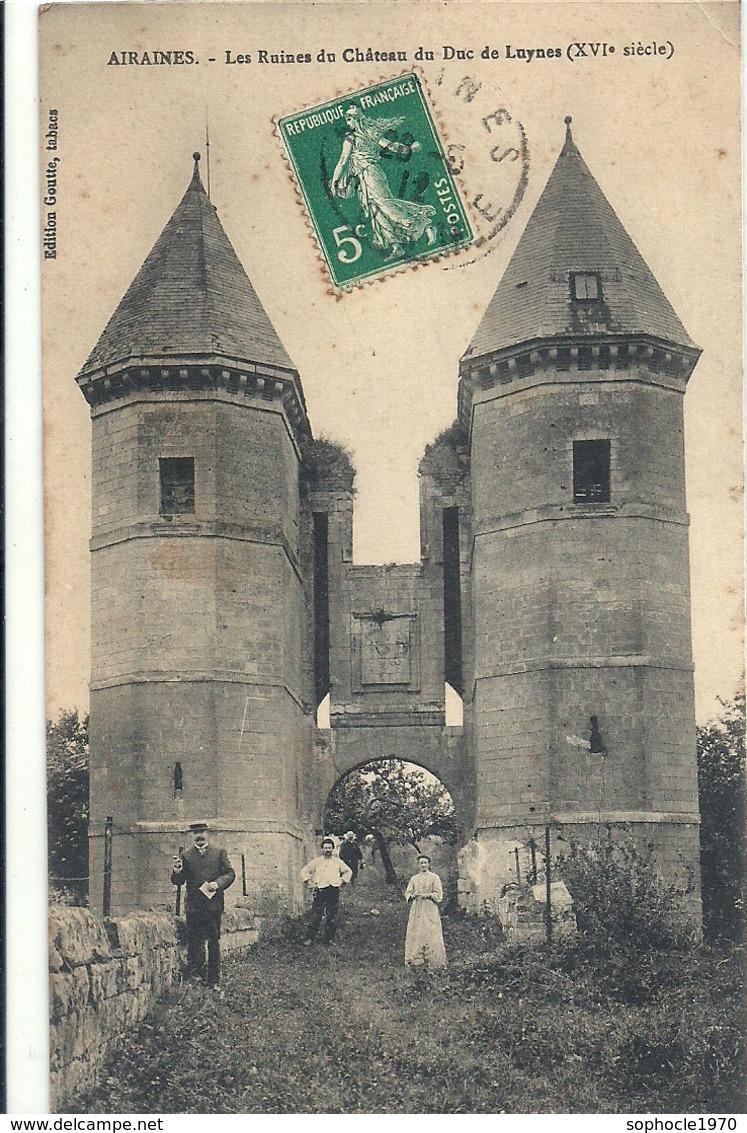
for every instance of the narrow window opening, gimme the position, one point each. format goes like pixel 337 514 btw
pixel 591 472
pixel 177 485
pixel 452 600
pixel 454 708
pixel 322 713
pixel 321 605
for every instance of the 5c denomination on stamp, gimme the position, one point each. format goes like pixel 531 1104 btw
pixel 375 180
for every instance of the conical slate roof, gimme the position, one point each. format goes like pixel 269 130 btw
pixel 191 296
pixel 574 229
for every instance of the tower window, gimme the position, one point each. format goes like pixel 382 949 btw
pixel 586 286
pixel 591 472
pixel 177 485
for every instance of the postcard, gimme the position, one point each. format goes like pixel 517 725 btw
pixel 392 378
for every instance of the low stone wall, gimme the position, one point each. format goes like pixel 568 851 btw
pixel 105 976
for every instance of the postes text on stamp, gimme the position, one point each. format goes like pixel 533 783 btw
pixel 375 180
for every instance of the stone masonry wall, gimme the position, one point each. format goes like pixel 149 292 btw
pixel 196 676
pixel 104 978
pixel 581 610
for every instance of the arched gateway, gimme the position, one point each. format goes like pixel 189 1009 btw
pixel 552 591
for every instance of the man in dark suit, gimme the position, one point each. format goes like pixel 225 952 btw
pixel 350 852
pixel 206 871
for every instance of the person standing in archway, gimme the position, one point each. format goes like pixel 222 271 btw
pixel 424 942
pixel 326 875
pixel 350 852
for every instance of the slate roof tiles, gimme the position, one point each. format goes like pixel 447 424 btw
pixel 191 296
pixel 574 229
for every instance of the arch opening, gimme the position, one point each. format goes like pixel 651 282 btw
pixel 396 809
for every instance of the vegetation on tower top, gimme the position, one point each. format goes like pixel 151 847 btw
pixel 326 465
pixel 447 458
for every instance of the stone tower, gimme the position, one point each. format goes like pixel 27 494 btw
pixel 199 691
pixel 582 712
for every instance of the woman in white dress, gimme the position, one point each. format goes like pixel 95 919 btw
pixel 424 943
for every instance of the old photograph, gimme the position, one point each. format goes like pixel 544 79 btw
pixel 393 499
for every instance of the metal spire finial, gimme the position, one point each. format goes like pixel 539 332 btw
pixel 568 134
pixel 207 150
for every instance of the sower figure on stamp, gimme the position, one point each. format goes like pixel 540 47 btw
pixel 394 222
pixel 326 875
pixel 207 872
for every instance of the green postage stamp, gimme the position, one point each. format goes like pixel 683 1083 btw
pixel 375 180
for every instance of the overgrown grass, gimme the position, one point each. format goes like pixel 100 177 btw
pixel 309 1030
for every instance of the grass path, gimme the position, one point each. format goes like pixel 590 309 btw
pixel 304 1030
pixel 350 1030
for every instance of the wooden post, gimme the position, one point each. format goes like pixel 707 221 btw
pixel 108 828
pixel 518 871
pixel 533 852
pixel 243 875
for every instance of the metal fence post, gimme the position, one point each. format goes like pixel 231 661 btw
pixel 179 888
pixel 548 890
pixel 108 829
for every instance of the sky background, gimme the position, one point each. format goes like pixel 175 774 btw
pixel 379 366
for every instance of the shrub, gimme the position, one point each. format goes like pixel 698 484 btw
pixel 326 465
pixel 722 789
pixel 619 901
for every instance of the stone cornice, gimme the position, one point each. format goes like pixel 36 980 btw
pixel 547 816
pixel 557 513
pixel 189 374
pixel 179 527
pixel 580 359
pixel 218 826
pixel 610 661
pixel 194 677
pixel 341 718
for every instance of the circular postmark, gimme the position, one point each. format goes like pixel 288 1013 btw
pixel 487 149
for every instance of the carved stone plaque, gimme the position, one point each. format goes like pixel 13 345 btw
pixel 385 652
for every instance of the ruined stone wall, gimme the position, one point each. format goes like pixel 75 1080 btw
pixel 104 978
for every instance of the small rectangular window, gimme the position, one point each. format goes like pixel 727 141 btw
pixel 586 286
pixel 177 485
pixel 591 472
